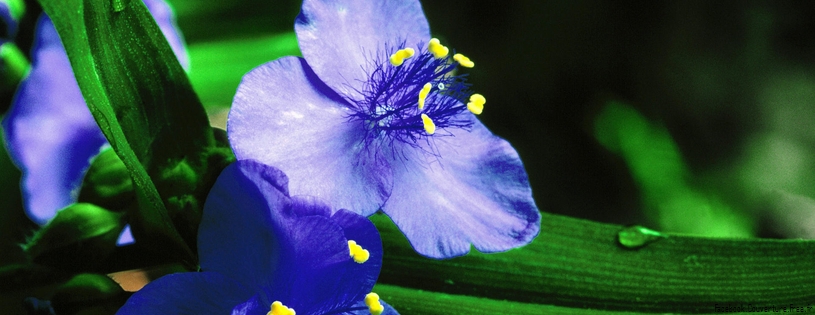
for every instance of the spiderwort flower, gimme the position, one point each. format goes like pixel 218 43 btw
pixel 264 252
pixel 375 117
pixel 50 133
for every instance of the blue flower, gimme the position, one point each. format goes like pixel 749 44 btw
pixel 375 116
pixel 50 133
pixel 262 250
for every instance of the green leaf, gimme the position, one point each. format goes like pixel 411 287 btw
pixel 78 238
pixel 419 302
pixel 89 293
pixel 581 264
pixel 143 102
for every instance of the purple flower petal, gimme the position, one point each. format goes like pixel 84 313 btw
pixel 189 293
pixel 302 206
pixel 476 192
pixel 257 307
pixel 165 19
pixel 312 267
pixel 283 115
pixel 276 248
pixel 364 233
pixel 238 236
pixel 290 250
pixel 320 275
pixel 50 132
pixel 339 37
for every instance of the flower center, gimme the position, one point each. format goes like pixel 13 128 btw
pixel 413 96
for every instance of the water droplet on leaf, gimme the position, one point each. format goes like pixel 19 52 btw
pixel 635 237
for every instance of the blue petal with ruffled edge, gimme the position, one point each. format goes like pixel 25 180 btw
pixel 462 186
pixel 268 246
pixel 49 130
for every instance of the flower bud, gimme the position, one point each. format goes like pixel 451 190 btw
pixel 107 183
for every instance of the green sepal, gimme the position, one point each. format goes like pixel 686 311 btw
pixel 107 183
pixel 143 101
pixel 78 238
pixel 89 294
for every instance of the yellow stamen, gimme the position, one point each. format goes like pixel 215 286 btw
pixel 437 49
pixel 359 254
pixel 476 104
pixel 463 61
pixel 398 58
pixel 423 94
pixel 279 309
pixel 372 301
pixel 429 126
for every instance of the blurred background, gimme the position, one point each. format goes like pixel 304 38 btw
pixel 690 117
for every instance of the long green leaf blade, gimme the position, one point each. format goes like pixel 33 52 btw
pixel 579 263
pixel 141 98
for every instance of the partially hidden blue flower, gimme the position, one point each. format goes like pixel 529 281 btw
pixel 375 116
pixel 265 252
pixel 50 133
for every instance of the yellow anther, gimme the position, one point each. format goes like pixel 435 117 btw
pixel 279 309
pixel 423 94
pixel 463 61
pixel 351 245
pixel 476 104
pixel 372 301
pixel 429 126
pixel 398 58
pixel 437 49
pixel 359 254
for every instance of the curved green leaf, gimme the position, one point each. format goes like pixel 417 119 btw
pixel 143 102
